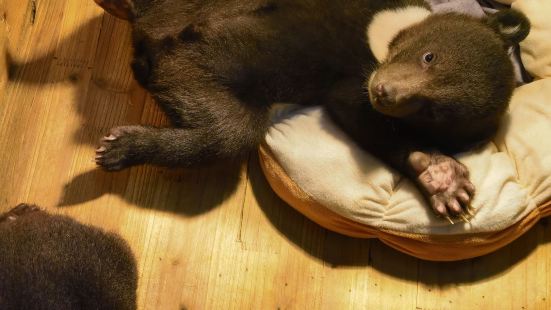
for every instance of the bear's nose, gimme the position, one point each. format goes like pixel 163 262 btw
pixel 380 90
pixel 384 93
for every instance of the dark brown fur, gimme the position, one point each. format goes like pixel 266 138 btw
pixel 216 67
pixel 53 262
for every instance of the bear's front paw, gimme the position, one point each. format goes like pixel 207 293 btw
pixel 121 147
pixel 19 210
pixel 445 182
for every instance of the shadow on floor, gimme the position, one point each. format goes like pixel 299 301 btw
pixel 187 192
pixel 338 251
pixel 107 96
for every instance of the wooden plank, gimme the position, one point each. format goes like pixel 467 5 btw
pixel 511 278
pixel 208 238
pixel 25 101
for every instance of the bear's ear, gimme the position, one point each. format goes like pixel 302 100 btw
pixel 511 25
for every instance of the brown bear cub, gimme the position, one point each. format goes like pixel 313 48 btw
pixel 53 262
pixel 409 86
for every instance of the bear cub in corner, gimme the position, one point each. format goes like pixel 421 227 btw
pixel 409 86
pixel 53 262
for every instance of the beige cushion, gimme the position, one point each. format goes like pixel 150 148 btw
pixel 536 49
pixel 314 167
pixel 320 172
pixel 512 174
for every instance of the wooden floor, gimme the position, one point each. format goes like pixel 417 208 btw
pixel 213 238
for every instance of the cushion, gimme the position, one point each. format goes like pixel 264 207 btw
pixel 536 48
pixel 318 170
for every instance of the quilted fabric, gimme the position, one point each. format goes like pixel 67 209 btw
pixel 512 173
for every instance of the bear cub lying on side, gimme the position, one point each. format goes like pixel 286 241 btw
pixel 409 86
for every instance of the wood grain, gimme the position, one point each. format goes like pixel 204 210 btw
pixel 211 238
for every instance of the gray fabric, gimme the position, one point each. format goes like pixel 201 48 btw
pixel 468 7
pixel 482 8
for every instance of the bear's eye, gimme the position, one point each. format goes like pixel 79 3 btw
pixel 428 57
